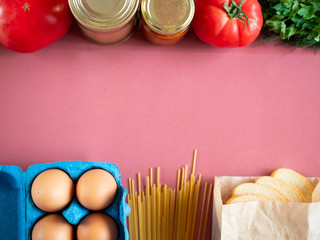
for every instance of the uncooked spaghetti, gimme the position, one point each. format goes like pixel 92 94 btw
pixel 162 213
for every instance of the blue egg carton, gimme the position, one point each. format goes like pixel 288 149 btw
pixel 18 213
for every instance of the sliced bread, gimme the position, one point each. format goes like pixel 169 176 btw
pixel 248 198
pixel 295 179
pixel 258 189
pixel 290 192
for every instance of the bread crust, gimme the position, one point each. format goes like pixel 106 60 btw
pixel 292 193
pixel 248 198
pixel 295 179
pixel 260 189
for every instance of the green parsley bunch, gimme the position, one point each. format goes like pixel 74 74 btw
pixel 295 21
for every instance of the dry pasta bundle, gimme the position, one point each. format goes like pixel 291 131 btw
pixel 162 213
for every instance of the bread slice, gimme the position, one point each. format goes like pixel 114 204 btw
pixel 265 190
pixel 295 179
pixel 293 194
pixel 248 198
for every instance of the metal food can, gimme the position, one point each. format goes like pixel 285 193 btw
pixel 165 22
pixel 106 22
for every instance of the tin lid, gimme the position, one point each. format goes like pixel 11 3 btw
pixel 167 17
pixel 103 14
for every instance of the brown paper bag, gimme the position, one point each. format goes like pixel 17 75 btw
pixel 263 220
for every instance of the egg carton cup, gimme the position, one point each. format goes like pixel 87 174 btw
pixel 18 213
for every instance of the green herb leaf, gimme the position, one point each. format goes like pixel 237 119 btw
pixel 307 12
pixel 287 3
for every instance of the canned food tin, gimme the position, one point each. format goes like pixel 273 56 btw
pixel 165 22
pixel 106 21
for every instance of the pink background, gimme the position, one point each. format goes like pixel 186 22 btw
pixel 247 111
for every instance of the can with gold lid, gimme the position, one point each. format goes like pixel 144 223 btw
pixel 106 21
pixel 165 22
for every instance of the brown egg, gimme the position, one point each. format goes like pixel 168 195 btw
pixel 52 227
pixel 96 189
pixel 52 190
pixel 97 226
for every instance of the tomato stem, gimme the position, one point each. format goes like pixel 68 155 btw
pixel 235 11
pixel 26 7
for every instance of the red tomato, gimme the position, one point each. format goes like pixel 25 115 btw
pixel 29 25
pixel 214 25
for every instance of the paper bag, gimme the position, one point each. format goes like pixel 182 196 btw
pixel 263 220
